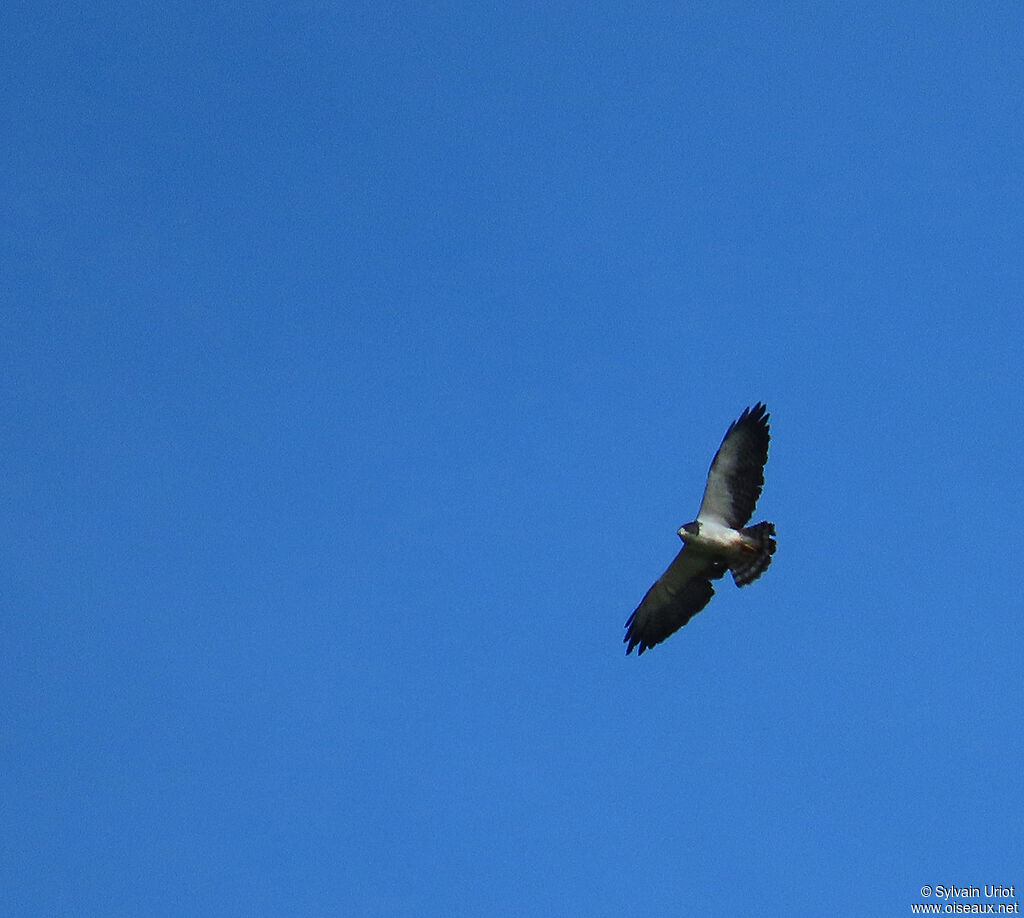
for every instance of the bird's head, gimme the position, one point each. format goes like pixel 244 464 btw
pixel 690 529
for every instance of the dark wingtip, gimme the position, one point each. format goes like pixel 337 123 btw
pixel 759 412
pixel 631 639
pixel 756 414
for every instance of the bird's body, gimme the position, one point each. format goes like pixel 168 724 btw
pixel 717 541
pixel 711 537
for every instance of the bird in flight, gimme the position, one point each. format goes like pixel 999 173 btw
pixel 718 540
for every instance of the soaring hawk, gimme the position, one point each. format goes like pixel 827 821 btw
pixel 716 540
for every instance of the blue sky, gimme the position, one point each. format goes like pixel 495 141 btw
pixel 359 362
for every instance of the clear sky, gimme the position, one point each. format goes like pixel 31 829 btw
pixel 359 362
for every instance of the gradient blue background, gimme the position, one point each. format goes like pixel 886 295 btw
pixel 359 362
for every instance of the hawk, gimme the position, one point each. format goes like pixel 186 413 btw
pixel 717 540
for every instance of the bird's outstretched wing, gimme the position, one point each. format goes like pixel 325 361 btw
pixel 678 595
pixel 737 471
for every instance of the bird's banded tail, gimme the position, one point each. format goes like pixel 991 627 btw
pixel 750 567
